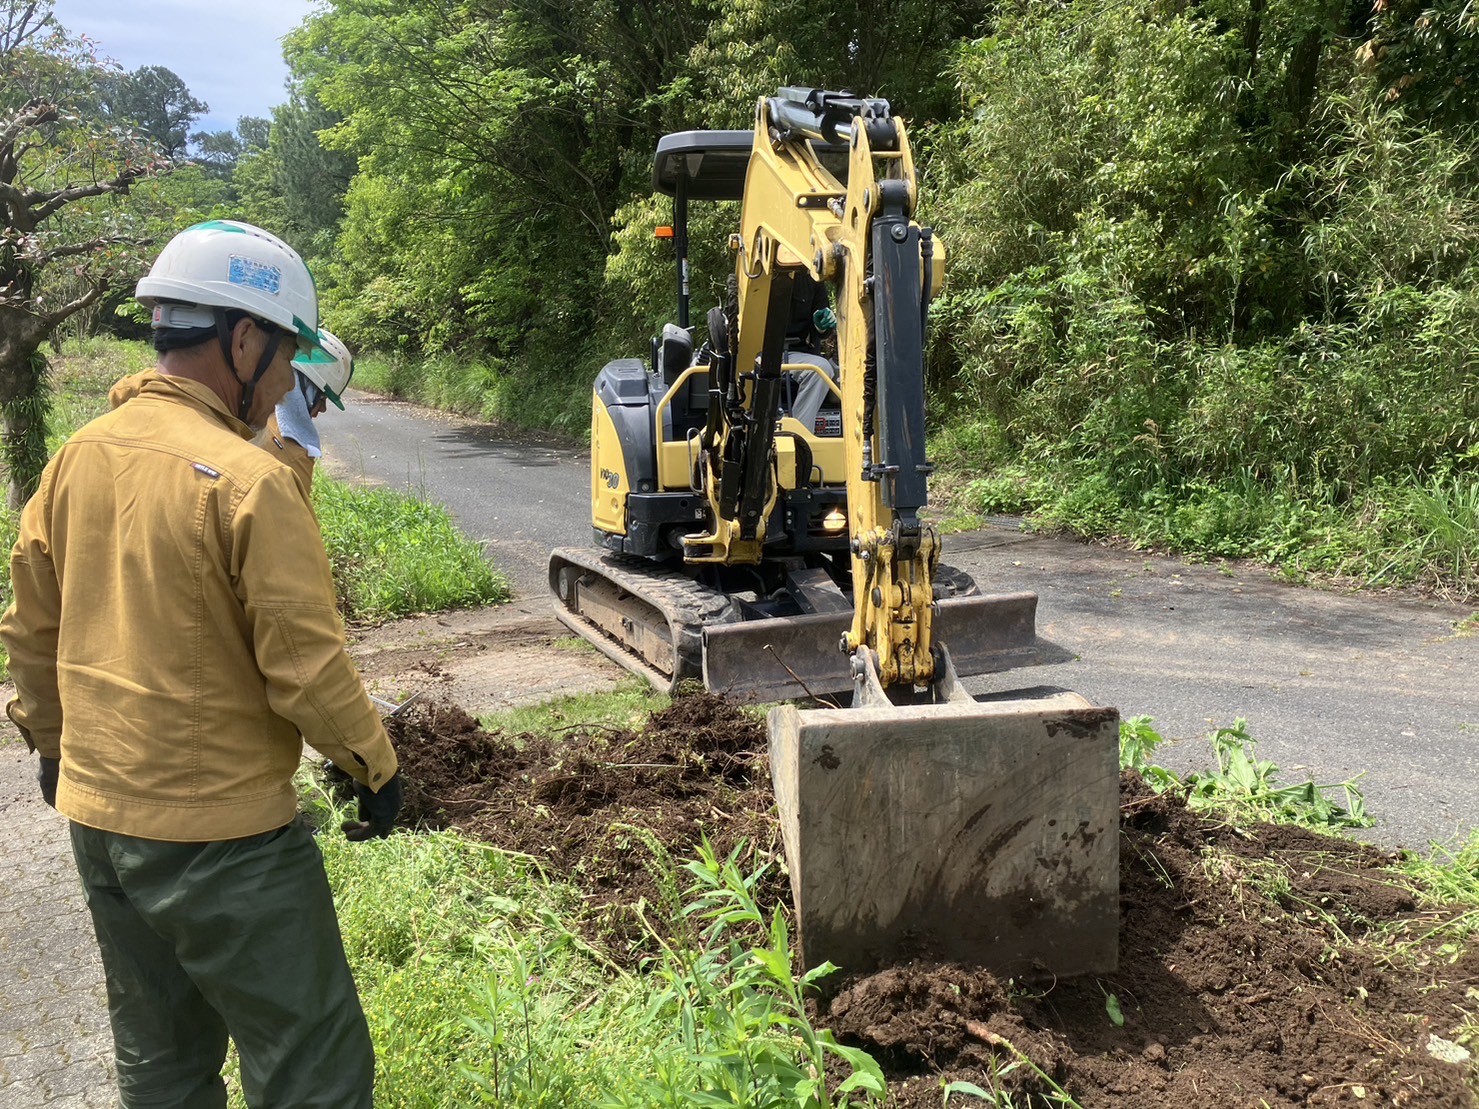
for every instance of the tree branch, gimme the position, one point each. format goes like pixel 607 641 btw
pixel 73 249
pixel 50 319
pixel 56 201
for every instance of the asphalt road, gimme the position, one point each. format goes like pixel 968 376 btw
pixel 1331 686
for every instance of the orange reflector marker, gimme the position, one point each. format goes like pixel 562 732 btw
pixel 663 232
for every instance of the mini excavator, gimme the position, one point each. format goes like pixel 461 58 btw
pixel 757 508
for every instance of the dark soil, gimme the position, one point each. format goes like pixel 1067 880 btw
pixel 1258 966
pixel 595 806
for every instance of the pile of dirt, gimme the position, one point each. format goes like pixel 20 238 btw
pixel 1250 974
pixel 576 800
pixel 1252 965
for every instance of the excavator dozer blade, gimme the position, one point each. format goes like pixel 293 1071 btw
pixel 984 832
pixel 791 657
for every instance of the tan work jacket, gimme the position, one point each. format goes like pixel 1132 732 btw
pixel 270 439
pixel 290 451
pixel 173 629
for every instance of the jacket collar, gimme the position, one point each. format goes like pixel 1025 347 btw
pixel 153 383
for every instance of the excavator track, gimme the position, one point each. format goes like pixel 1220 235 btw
pixel 646 617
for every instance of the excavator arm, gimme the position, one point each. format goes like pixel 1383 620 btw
pixel 799 222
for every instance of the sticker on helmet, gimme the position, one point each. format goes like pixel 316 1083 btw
pixel 254 275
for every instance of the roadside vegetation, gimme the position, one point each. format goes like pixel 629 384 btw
pixel 1208 308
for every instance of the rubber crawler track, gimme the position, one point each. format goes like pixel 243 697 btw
pixel 687 606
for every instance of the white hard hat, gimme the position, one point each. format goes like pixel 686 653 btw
pixel 227 264
pixel 330 367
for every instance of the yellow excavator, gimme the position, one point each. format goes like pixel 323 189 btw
pixel 757 508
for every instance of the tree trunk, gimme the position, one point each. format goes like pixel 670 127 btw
pixel 25 401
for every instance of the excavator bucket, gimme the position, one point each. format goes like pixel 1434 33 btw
pixel 791 657
pixel 977 831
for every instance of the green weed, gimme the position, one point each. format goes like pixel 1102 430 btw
pixel 1447 878
pixel 1053 1094
pixel 1243 787
pixel 1434 532
pixel 743 1035
pixel 394 555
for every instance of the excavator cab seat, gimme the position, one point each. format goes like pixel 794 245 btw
pixel 672 354
pixel 689 408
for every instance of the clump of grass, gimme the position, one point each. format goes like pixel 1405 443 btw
pixel 1243 787
pixel 1449 876
pixel 736 1008
pixel 394 555
pixel 626 706
pixel 1432 535
pixel 518 392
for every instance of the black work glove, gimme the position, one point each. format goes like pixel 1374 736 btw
pixel 377 811
pixel 47 776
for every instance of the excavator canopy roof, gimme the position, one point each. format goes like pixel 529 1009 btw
pixel 712 162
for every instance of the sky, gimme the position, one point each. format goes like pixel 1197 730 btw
pixel 227 51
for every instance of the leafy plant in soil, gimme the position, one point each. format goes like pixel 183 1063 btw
pixel 746 1036
pixel 1243 787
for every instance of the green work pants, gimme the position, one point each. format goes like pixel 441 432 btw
pixel 238 937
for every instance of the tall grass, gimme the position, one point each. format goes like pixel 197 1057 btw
pixel 394 555
pixel 525 394
pixel 1432 531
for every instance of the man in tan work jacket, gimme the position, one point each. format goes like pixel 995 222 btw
pixel 172 636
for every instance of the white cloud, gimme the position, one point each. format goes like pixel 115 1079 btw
pixel 228 52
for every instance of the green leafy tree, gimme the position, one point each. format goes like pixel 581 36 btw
pixel 63 237
pixel 218 152
pixel 486 152
pixel 1425 54
pixel 156 101
pixel 311 178
pixel 1195 255
pixel 511 134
